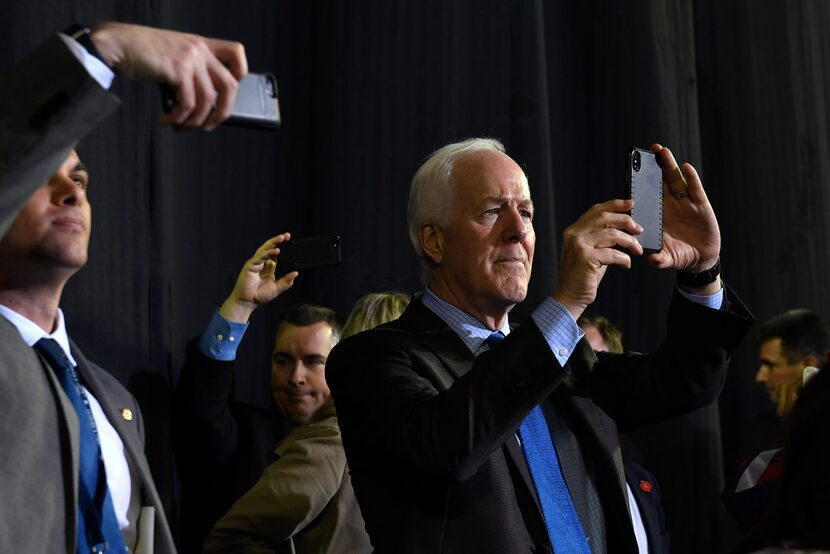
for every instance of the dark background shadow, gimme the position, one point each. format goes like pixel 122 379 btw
pixel 367 89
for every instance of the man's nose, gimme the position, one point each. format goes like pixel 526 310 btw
pixel 65 191
pixel 761 376
pixel 298 374
pixel 515 227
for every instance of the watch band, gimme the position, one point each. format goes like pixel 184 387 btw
pixel 696 280
pixel 82 35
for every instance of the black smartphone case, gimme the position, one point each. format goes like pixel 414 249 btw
pixel 308 253
pixel 645 187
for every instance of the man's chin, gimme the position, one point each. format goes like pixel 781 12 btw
pixel 514 292
pixel 296 417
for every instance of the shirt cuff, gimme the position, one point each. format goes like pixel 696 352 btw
pixel 221 338
pixel 97 69
pixel 714 301
pixel 558 327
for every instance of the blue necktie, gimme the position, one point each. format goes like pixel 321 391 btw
pixel 98 529
pixel 564 528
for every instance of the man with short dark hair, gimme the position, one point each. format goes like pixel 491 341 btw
pixel 73 474
pixel 790 342
pixel 464 434
pixel 299 496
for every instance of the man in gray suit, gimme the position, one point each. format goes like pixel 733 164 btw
pixel 59 413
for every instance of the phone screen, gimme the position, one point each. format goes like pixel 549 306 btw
pixel 645 187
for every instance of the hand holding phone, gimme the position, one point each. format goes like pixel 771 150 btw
pixel 256 104
pixel 644 179
pixel 309 253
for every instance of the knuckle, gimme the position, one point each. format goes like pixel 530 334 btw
pixel 188 104
pixel 226 86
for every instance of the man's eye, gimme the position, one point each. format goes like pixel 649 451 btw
pixel 527 213
pixel 81 182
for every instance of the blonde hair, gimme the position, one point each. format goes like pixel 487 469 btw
pixel 607 330
pixel 373 309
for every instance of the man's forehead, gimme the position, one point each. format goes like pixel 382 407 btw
pixel 321 330
pixel 771 346
pixel 485 172
pixel 73 159
pixel 73 164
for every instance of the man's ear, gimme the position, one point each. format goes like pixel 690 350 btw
pixel 431 238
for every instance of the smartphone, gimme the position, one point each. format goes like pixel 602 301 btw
pixel 644 179
pixel 256 105
pixel 308 253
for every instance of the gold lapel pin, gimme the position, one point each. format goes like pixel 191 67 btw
pixel 127 414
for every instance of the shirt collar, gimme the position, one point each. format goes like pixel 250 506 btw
pixel 470 330
pixel 31 333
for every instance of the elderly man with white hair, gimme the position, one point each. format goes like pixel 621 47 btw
pixel 465 434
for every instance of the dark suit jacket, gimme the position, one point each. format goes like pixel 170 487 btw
pixel 47 103
pixel 646 492
pixel 219 441
pixel 429 430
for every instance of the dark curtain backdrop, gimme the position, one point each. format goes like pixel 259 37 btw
pixel 367 89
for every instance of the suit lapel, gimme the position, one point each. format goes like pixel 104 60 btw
pixel 129 436
pixel 600 442
pixel 594 422
pixel 517 457
pixel 69 422
pixel 434 334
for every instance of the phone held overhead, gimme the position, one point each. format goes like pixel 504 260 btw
pixel 309 253
pixel 256 105
pixel 644 180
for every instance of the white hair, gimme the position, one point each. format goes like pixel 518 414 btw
pixel 430 196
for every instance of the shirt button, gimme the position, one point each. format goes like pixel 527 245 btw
pixel 231 339
pixel 219 337
pixel 563 351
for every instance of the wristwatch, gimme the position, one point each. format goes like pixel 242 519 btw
pixel 697 280
pixel 82 35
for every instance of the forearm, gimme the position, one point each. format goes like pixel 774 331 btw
pixel 202 399
pixel 291 493
pixel 686 372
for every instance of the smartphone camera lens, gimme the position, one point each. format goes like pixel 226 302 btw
pixel 635 161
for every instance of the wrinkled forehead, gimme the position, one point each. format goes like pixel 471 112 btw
pixel 489 174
